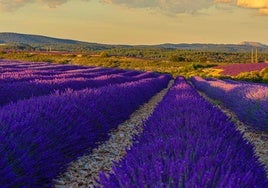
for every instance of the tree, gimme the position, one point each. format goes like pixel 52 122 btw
pixel 104 54
pixel 176 58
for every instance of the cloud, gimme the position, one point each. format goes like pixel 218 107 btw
pixel 189 6
pixel 11 5
pixel 54 3
pixel 258 4
pixel 166 6
pixel 223 1
pixel 261 5
pixel 263 11
pixel 171 6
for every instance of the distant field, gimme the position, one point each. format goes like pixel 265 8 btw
pixel 236 69
pixel 175 62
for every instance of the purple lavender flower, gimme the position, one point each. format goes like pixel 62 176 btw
pixel 187 142
pixel 248 100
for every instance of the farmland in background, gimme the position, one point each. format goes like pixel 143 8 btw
pixel 176 62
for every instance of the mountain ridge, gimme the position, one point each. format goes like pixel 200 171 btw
pixel 40 42
pixel 253 44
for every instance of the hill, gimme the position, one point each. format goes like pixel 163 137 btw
pixel 39 42
pixel 242 47
pixel 254 44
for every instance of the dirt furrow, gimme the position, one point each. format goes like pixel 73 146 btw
pixel 82 172
pixel 258 138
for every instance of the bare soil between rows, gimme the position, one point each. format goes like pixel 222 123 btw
pixel 82 172
pixel 259 139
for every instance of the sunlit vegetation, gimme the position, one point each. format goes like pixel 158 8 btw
pixel 175 62
pixel 255 76
pixel 106 60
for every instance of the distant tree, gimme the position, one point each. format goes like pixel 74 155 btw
pixel 104 54
pixel 261 60
pixel 203 59
pixel 177 58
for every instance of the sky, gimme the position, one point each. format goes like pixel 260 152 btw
pixel 139 21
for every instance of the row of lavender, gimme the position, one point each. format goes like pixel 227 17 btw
pixel 41 135
pixel 19 71
pixel 187 142
pixel 237 68
pixel 248 100
pixel 29 80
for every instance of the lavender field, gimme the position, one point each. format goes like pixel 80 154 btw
pixel 187 142
pixel 51 114
pixel 235 69
pixel 48 121
pixel 249 101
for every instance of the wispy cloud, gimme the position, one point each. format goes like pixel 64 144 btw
pixel 261 5
pixel 263 11
pixel 189 6
pixel 11 5
pixel 171 6
pixel 167 6
pixel 223 1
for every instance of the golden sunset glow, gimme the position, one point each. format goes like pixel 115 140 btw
pixel 262 5
pixel 253 3
pixel 139 21
pixel 263 11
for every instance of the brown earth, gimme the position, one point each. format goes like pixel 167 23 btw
pixel 83 172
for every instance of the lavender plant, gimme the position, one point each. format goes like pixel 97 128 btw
pixel 187 142
pixel 29 81
pixel 248 100
pixel 40 136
